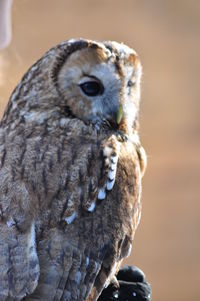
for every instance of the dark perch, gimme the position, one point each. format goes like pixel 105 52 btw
pixel 133 286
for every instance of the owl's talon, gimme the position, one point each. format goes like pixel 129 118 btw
pixel 115 282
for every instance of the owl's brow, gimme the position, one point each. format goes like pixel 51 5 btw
pixel 89 75
pixel 118 67
pixel 117 59
pixel 64 54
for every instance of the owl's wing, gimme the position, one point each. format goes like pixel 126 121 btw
pixel 70 272
pixel 76 251
pixel 19 265
pixel 80 252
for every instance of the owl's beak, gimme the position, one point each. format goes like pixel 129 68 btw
pixel 120 114
pixel 116 117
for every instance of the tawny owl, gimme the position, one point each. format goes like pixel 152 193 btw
pixel 71 165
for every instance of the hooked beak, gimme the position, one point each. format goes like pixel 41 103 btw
pixel 120 114
pixel 114 120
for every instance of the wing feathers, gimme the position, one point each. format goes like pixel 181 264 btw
pixel 19 266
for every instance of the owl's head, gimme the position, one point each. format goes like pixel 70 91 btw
pixel 100 83
pixel 96 82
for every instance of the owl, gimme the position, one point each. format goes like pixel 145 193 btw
pixel 71 165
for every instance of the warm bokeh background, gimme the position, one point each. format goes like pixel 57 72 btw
pixel 166 34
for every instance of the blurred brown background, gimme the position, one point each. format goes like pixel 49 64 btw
pixel 166 34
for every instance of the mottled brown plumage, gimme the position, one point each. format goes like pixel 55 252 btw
pixel 70 172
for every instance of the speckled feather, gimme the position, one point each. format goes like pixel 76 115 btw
pixel 70 186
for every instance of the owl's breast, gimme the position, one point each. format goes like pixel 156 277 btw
pixel 124 199
pixel 128 180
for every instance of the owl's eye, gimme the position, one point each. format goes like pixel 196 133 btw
pixel 92 88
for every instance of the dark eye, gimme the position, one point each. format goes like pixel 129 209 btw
pixel 92 88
